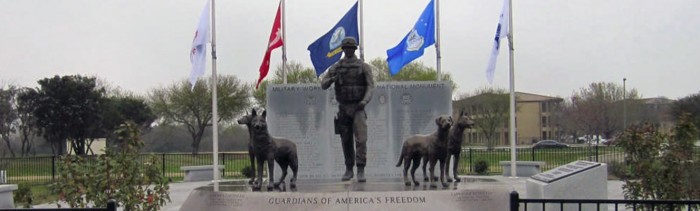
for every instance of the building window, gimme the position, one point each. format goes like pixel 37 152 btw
pixel 544 107
pixel 544 135
pixel 544 121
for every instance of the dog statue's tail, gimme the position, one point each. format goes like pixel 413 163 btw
pixel 403 153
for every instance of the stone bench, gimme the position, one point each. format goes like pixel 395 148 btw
pixel 6 200
pixel 199 173
pixel 522 168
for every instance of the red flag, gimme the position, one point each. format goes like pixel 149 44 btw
pixel 274 42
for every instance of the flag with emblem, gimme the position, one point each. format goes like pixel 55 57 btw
pixel 411 47
pixel 198 52
pixel 274 42
pixel 501 32
pixel 326 51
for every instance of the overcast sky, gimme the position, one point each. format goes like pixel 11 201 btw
pixel 561 46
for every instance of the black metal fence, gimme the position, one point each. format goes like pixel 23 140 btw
pixel 42 169
pixel 517 204
pixel 111 206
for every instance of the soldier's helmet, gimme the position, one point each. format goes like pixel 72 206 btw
pixel 349 42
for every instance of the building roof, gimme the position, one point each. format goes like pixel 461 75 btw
pixel 657 100
pixel 529 97
pixel 521 97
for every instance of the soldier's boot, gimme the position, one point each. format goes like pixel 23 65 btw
pixel 361 174
pixel 348 174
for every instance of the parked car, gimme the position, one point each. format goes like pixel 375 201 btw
pixel 549 144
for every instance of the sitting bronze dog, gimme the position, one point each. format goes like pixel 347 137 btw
pixel 431 147
pixel 269 149
pixel 454 143
pixel 247 121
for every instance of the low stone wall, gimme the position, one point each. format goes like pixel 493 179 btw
pixel 522 168
pixel 199 173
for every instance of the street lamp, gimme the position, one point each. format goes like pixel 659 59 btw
pixel 624 104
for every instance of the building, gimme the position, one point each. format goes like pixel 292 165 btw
pixel 656 110
pixel 533 117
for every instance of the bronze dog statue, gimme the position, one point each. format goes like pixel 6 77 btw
pixel 247 120
pixel 431 147
pixel 270 149
pixel 454 143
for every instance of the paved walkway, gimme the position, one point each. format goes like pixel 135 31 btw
pixel 179 191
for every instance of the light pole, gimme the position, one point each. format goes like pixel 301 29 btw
pixel 624 104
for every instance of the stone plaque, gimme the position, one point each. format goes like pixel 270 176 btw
pixel 575 180
pixel 304 113
pixel 564 171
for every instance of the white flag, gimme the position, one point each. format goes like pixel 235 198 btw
pixel 501 32
pixel 198 53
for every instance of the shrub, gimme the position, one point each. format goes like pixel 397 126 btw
pixel 659 165
pixel 247 172
pixel 119 174
pixel 23 195
pixel 481 167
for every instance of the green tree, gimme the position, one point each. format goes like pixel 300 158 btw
pixel 296 74
pixel 489 108
pixel 414 71
pixel 688 105
pixel 68 108
pixel 26 104
pixel 599 108
pixel 8 115
pixel 192 107
pixel 135 183
pixel 121 109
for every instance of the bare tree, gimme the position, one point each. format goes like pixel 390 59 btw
pixel 598 108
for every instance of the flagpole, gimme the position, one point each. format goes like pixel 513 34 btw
pixel 284 47
pixel 214 100
pixel 437 40
pixel 512 129
pixel 362 30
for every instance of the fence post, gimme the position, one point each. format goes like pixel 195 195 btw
pixel 471 164
pixel 53 168
pixel 533 153
pixel 112 205
pixel 223 162
pixel 596 153
pixel 514 201
pixel 163 163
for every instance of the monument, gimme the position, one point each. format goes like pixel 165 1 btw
pixel 304 114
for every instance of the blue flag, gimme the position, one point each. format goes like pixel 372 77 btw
pixel 326 51
pixel 411 47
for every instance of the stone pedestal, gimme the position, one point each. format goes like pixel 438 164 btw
pixel 6 200
pixel 576 180
pixel 376 194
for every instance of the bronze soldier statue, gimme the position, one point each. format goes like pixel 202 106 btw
pixel 353 90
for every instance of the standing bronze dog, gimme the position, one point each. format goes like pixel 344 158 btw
pixel 454 143
pixel 270 149
pixel 431 147
pixel 247 120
